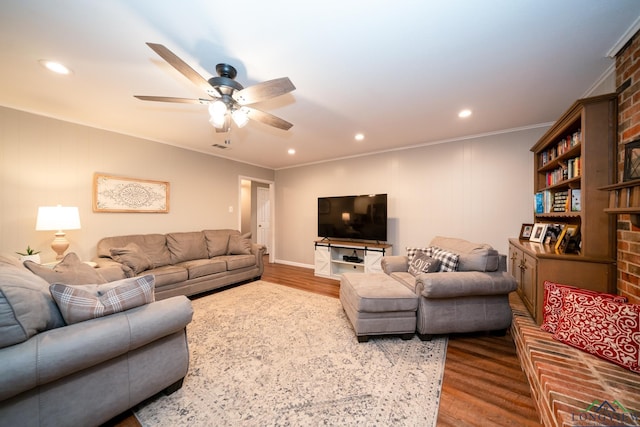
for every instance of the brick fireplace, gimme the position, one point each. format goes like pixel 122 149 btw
pixel 628 234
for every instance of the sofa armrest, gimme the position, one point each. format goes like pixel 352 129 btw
pixel 464 283
pixel 60 352
pixel 394 263
pixel 258 250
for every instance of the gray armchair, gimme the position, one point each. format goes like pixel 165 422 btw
pixel 473 298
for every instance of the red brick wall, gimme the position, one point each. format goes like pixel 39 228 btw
pixel 628 83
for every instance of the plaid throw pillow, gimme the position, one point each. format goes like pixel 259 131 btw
pixel 80 303
pixel 411 252
pixel 448 260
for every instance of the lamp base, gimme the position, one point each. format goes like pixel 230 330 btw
pixel 60 244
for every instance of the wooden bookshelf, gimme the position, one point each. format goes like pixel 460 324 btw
pixel 575 158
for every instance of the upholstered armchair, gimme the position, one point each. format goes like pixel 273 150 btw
pixel 467 292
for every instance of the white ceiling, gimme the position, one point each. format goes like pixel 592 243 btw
pixel 397 71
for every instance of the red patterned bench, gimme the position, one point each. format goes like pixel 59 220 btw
pixel 571 387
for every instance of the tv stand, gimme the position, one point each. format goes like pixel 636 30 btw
pixel 332 257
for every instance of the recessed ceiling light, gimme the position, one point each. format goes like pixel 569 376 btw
pixel 291 151
pixel 56 67
pixel 464 113
pixel 359 136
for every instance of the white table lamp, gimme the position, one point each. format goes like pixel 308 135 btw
pixel 58 218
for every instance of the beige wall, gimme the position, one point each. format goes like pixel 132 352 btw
pixel 479 189
pixel 48 162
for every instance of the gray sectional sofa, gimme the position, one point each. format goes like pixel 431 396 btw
pixel 55 371
pixel 185 263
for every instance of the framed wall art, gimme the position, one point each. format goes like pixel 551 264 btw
pixel 119 194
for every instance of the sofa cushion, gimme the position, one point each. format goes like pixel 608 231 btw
pixel 238 245
pixel 236 262
pixel 218 241
pixel 448 260
pixel 132 257
pixel 169 275
pixel 204 267
pixel 423 263
pixel 472 256
pixel 153 245
pixel 187 246
pixel 79 303
pixel 602 327
pixel 70 270
pixel 26 307
pixel 406 279
pixel 553 301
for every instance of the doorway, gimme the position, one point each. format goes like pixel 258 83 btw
pixel 257 212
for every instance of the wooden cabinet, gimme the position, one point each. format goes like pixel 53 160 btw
pixel 524 267
pixel 572 161
pixel 330 258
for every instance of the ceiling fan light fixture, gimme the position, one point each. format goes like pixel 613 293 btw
pixel 240 117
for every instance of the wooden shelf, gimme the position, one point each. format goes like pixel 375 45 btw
pixel 624 197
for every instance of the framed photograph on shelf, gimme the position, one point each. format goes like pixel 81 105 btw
pixel 569 232
pixel 552 233
pixel 538 232
pixel 525 231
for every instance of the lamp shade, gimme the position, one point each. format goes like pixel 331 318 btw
pixel 58 218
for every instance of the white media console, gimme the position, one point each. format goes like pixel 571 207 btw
pixel 330 257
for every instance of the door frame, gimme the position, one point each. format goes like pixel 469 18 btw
pixel 272 205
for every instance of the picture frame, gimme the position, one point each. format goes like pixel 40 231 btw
pixel 538 232
pixel 631 160
pixel 552 233
pixel 569 232
pixel 120 194
pixel 525 231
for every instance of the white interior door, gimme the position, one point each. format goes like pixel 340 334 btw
pixel 263 212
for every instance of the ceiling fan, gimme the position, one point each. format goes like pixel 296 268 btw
pixel 229 100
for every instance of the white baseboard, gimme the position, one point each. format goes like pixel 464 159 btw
pixel 295 264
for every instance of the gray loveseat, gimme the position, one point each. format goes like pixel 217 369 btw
pixel 185 263
pixel 474 297
pixel 84 373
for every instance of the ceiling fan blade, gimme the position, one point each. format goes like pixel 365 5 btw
pixel 263 91
pixel 183 68
pixel 268 119
pixel 172 99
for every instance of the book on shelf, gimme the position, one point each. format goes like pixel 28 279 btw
pixel 538 203
pixel 561 201
pixel 576 204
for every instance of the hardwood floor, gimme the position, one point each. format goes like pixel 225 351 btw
pixel 483 384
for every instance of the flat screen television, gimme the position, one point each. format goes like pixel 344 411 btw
pixel 353 217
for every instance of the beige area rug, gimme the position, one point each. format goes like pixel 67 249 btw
pixel 267 355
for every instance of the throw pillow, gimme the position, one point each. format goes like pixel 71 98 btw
pixel 553 299
pixel 411 252
pixel 80 303
pixel 448 260
pixel 602 327
pixel 26 307
pixel 238 245
pixel 132 257
pixel 422 263
pixel 70 270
